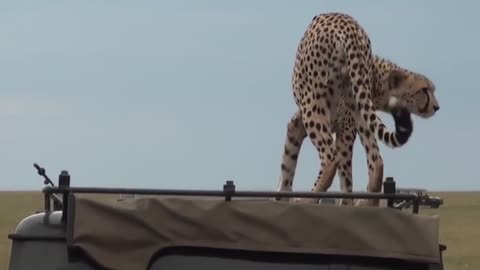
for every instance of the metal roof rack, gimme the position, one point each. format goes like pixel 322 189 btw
pixel 228 192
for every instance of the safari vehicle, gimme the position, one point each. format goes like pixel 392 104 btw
pixel 220 229
pixel 425 199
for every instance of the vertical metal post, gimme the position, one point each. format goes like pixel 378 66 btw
pixel 228 189
pixel 64 181
pixel 416 205
pixel 46 201
pixel 389 188
pixel 57 205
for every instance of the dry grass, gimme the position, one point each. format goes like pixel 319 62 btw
pixel 13 207
pixel 459 229
pixel 460 220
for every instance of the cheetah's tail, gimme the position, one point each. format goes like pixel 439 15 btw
pixel 403 127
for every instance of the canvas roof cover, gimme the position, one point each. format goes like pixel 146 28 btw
pixel 126 234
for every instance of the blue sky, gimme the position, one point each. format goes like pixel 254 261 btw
pixel 188 94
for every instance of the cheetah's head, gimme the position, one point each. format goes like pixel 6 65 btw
pixel 413 91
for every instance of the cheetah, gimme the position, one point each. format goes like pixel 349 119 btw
pixel 338 84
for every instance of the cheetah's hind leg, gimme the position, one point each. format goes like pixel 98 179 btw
pixel 318 128
pixel 344 143
pixel 293 142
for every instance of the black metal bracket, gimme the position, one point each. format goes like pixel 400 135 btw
pixel 389 188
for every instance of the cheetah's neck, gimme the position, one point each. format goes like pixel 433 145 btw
pixel 381 70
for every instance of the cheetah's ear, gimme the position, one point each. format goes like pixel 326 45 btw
pixel 395 78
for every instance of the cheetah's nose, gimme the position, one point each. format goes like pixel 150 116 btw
pixel 436 108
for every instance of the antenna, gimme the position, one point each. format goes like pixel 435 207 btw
pixel 57 202
pixel 41 172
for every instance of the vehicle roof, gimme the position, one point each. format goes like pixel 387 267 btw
pixel 141 227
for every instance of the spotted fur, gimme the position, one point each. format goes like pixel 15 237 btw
pixel 338 84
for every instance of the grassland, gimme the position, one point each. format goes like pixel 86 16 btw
pixel 459 225
pixel 459 229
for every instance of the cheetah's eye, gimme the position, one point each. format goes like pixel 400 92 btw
pixel 425 90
